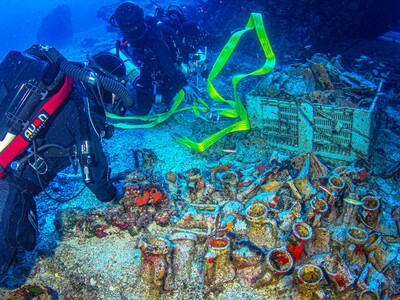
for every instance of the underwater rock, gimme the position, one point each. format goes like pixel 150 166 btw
pixel 30 291
pixel 56 28
pixel 145 160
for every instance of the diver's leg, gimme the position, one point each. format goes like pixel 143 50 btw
pixel 7 252
pixel 18 223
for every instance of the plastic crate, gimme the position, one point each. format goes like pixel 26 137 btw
pixel 340 133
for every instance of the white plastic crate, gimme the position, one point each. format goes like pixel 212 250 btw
pixel 341 133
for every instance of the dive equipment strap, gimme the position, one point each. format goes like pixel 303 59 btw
pixel 36 125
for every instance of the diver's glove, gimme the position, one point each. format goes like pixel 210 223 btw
pixel 190 94
pixel 120 192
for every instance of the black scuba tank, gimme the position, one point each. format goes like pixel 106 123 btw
pixel 24 83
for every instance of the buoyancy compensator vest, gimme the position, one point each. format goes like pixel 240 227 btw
pixel 31 90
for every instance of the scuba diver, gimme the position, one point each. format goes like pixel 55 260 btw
pixel 153 44
pixel 191 37
pixel 71 136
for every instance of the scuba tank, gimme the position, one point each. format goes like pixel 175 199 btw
pixel 132 72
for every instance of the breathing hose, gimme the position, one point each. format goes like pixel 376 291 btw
pixel 84 75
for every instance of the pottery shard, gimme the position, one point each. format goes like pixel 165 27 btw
pixel 357 82
pixel 322 80
pixel 319 243
pixel 300 82
pixel 323 97
pixel 267 86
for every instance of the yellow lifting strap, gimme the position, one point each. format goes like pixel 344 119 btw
pixel 238 111
pixel 151 120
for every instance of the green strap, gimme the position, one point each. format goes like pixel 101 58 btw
pixel 238 111
pixel 152 120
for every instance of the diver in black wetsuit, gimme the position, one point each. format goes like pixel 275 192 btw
pixel 157 49
pixel 74 134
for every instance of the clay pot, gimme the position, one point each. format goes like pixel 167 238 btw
pixel 396 217
pixel 289 216
pixel 155 255
pixel 154 245
pixel 370 210
pixel 339 273
pixel 318 209
pixel 356 238
pixel 249 262
pixel 380 253
pixel 349 213
pixel 372 280
pixel 229 178
pixel 192 175
pixel 369 295
pixel 183 252
pixel 229 181
pixel 172 182
pixel 195 184
pixel 279 261
pixel 309 277
pixel 263 231
pixel 339 171
pixel 218 266
pixel 303 187
pixel 319 206
pixel 337 184
pixel 333 195
pixel 356 235
pixel 301 232
pixel 373 241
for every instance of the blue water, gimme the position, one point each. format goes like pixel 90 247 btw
pixel 20 20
